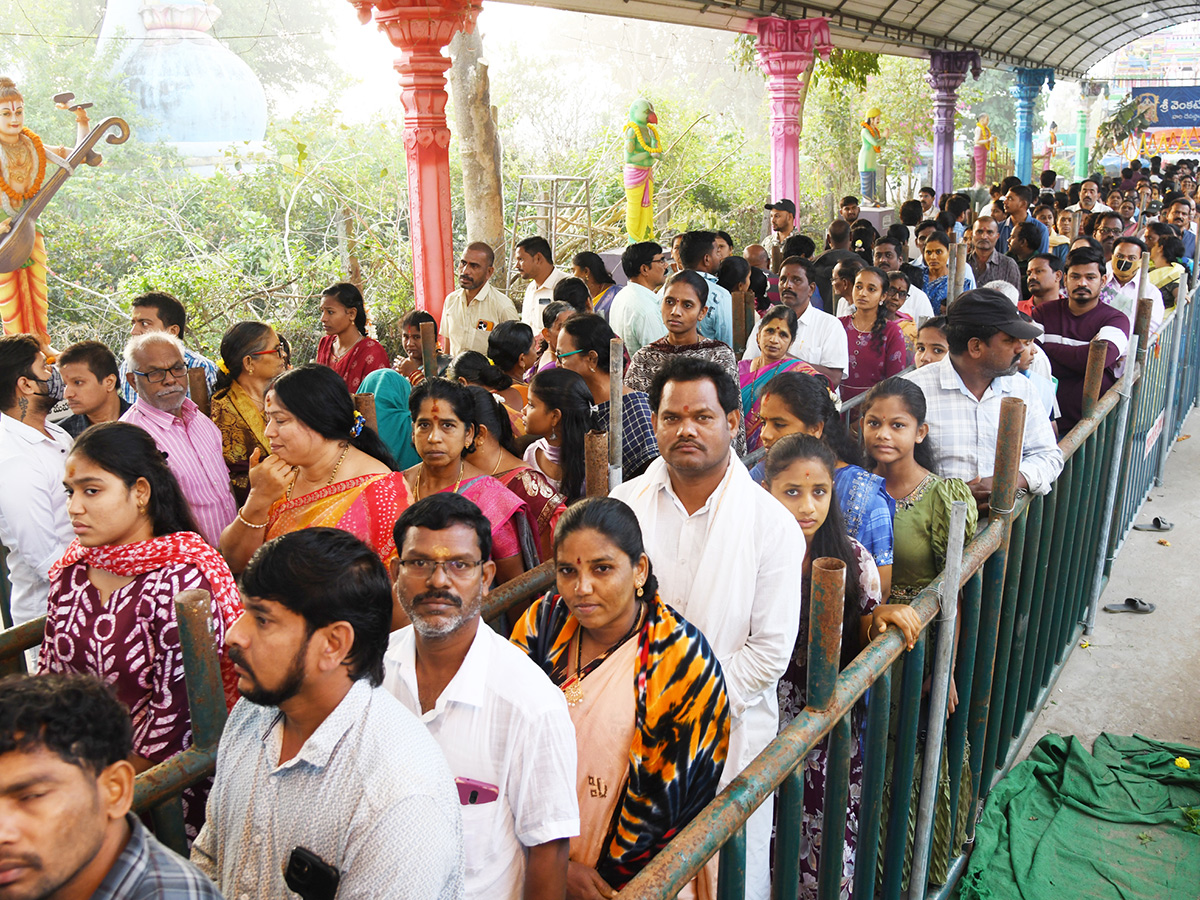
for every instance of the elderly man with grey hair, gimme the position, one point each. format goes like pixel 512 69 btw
pixel 156 370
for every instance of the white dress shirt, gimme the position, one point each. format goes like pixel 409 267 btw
pixel 34 524
pixel 537 297
pixel 820 341
pixel 500 721
pixel 732 569
pixel 963 429
pixel 636 317
pixel 1124 297
pixel 1098 208
pixel 368 792
pixel 467 326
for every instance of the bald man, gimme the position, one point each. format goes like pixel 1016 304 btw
pixel 756 255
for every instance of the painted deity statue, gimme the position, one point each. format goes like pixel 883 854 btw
pixel 868 156
pixel 643 147
pixel 984 140
pixel 24 160
pixel 1051 145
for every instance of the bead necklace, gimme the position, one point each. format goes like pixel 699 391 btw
pixel 332 475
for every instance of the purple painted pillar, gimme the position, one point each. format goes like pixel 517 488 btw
pixel 947 71
pixel 785 50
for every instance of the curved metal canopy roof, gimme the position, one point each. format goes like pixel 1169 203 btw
pixel 1069 36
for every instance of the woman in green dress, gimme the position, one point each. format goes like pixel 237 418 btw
pixel 896 438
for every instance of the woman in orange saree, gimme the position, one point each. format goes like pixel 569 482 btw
pixel 326 468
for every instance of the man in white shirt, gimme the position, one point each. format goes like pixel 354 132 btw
pixel 535 263
pixel 1120 288
pixel 502 724
pixel 964 391
pixel 636 312
pixel 820 339
pixel 888 253
pixel 928 198
pixel 1089 198
pixel 34 524
pixel 727 556
pixel 319 767
pixel 471 312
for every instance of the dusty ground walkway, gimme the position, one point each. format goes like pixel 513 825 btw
pixel 1141 673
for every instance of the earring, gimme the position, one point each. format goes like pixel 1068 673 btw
pixel 640 591
pixel 553 436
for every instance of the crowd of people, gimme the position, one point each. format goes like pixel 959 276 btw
pixel 553 753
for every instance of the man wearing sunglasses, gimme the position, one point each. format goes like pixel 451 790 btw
pixel 156 370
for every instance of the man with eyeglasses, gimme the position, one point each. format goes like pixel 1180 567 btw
pixel 34 525
pixel 501 723
pixel 636 311
pixel 1106 228
pixel 159 311
pixel 156 370
pixel 1120 287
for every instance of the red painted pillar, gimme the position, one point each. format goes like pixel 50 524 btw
pixel 785 50
pixel 421 29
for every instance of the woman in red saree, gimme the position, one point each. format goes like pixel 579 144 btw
pixel 111 610
pixel 326 468
pixel 345 348
pixel 443 414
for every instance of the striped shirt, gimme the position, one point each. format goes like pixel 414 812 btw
pixel 146 870
pixel 192 444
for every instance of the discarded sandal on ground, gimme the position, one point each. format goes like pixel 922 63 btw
pixel 1131 604
pixel 1158 523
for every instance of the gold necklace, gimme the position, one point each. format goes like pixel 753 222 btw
pixel 15 196
pixel 573 688
pixel 417 487
pixel 332 475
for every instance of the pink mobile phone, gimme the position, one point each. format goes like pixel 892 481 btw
pixel 472 792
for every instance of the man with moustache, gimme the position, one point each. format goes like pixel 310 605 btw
pixel 986 262
pixel 189 440
pixel 1106 228
pixel 501 723
pixel 1072 324
pixel 1179 213
pixel 34 524
pixel 471 312
pixel 715 537
pixel 1043 279
pixel 820 338
pixel 319 767
pixel 783 225
pixel 964 390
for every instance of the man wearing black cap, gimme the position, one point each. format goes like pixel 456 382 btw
pixel 964 390
pixel 783 225
pixel 1072 324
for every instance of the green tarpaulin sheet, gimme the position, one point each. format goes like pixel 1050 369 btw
pixel 1108 824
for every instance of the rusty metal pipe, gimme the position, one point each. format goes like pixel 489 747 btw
pixel 527 586
pixel 595 452
pixel 825 629
pixel 166 780
pixel 1143 275
pixel 201 667
pixel 16 640
pixel 1010 438
pixel 616 376
pixel 1094 375
pixel 429 351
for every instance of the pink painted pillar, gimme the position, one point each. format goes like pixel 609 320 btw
pixel 785 50
pixel 421 29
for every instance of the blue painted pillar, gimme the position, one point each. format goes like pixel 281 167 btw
pixel 947 71
pixel 1029 85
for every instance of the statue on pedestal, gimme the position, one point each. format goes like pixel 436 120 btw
pixel 984 140
pixel 643 147
pixel 1051 145
pixel 872 140
pixel 25 190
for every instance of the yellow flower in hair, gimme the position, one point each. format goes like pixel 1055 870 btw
pixel 222 367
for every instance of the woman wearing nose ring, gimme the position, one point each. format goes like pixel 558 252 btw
pixel 645 693
pixel 776 334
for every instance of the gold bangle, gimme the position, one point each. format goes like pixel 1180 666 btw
pixel 241 519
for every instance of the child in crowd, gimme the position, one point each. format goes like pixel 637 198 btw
pixel 897 440
pixel 800 474
pixel 931 345
pixel 559 413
